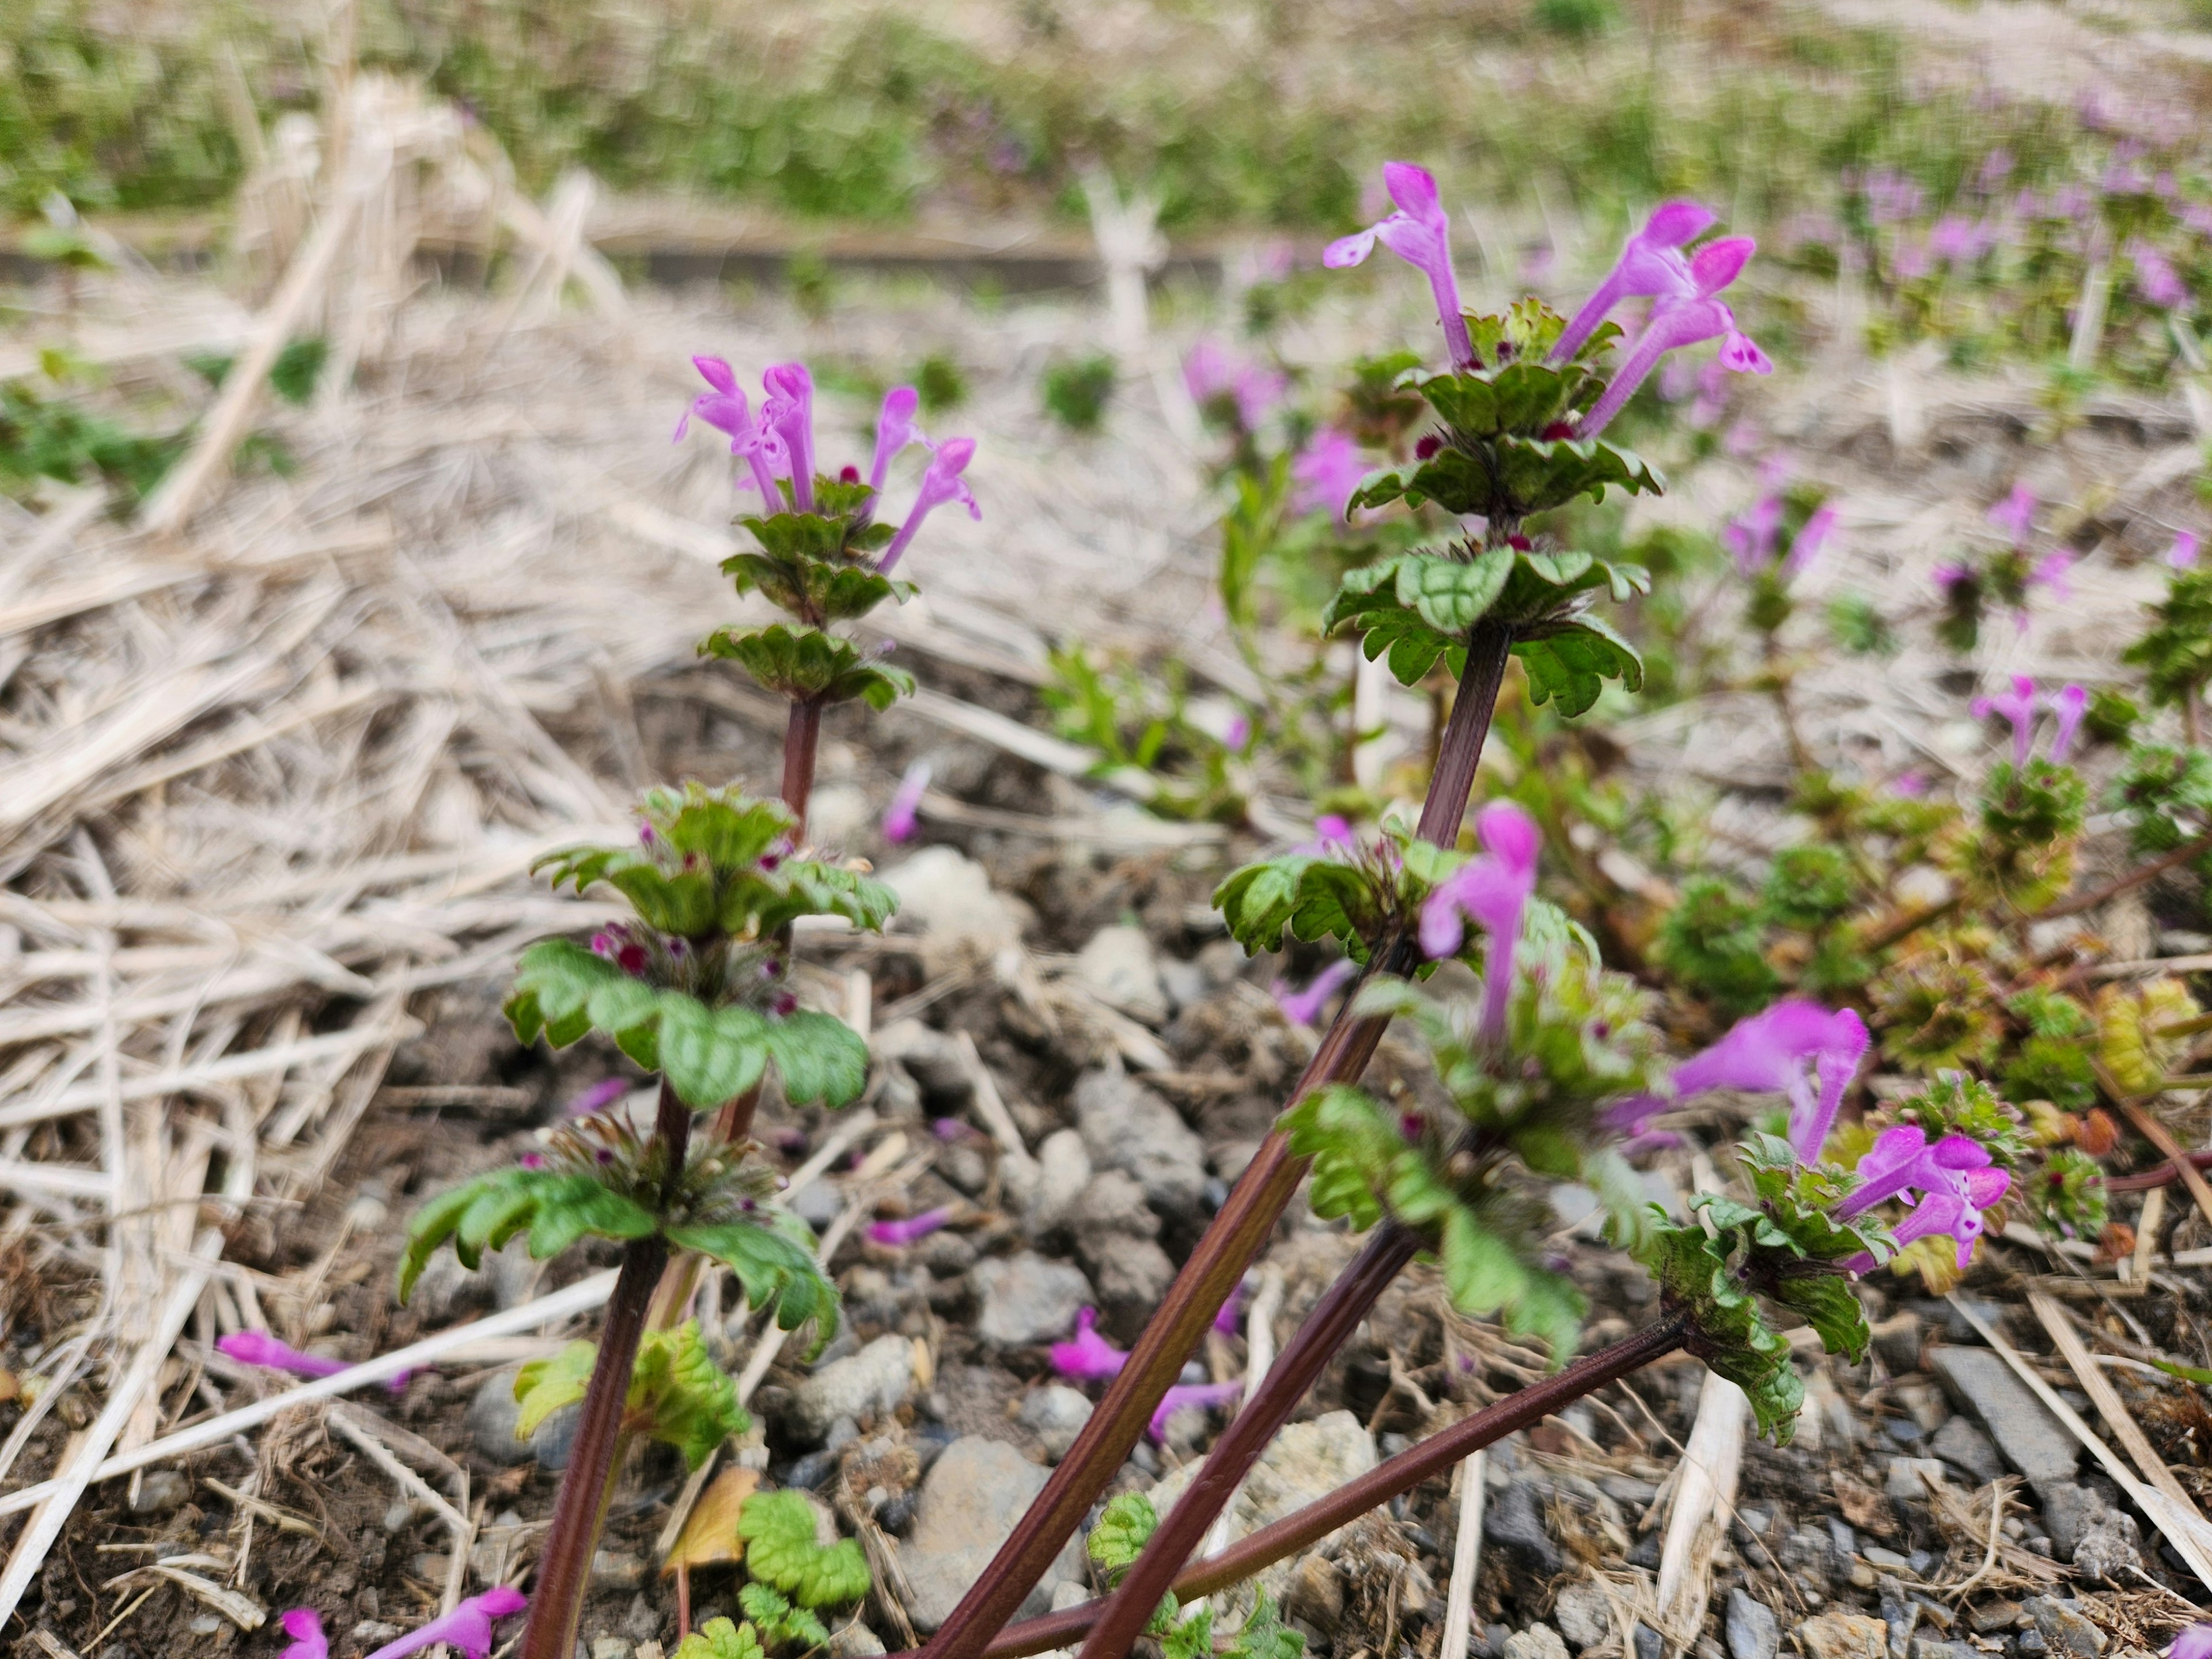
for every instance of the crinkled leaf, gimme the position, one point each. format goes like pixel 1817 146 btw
pixel 1573 663
pixel 778 1528
pixel 1265 1636
pixel 818 1056
pixel 718 1639
pixel 775 1269
pixel 780 1625
pixel 1484 1274
pixel 1450 594
pixel 1727 1329
pixel 542 1386
pixel 1125 1526
pixel 805 663
pixel 557 1207
pixel 680 1397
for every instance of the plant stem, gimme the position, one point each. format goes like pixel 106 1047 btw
pixel 1434 1456
pixel 2164 1174
pixel 1296 1370
pixel 1236 1237
pixel 2134 878
pixel 802 738
pixel 565 1566
pixel 1910 922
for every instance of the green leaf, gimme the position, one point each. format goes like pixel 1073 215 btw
pixel 680 1397
pixel 1726 1330
pixel 709 1055
pixel 778 1528
pixel 776 1269
pixel 1573 662
pixel 718 1639
pixel 779 1624
pixel 557 1207
pixel 1450 594
pixel 1186 1638
pixel 1265 1636
pixel 542 1386
pixel 1125 1526
pixel 806 664
pixel 819 1057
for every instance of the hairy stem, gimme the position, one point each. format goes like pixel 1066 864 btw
pixel 1296 1370
pixel 1236 1237
pixel 564 1567
pixel 802 738
pixel 1434 1456
pixel 2134 878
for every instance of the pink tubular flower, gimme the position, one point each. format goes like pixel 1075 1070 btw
pixel 1189 1397
pixel 1954 1178
pixel 2015 513
pixel 788 413
pixel 468 1627
pixel 1769 1053
pixel 940 484
pixel 2051 571
pixel 2017 706
pixel 1087 1357
pixel 2195 1643
pixel 1230 1310
pixel 1750 539
pixel 2070 705
pixel 1651 265
pixel 895 430
pixel 1327 471
pixel 724 408
pixel 1493 890
pixel 596 1098
pixel 2155 278
pixel 897 1235
pixel 259 1348
pixel 1672 326
pixel 1806 547
pixel 1211 373
pixel 1419 232
pixel 1303 1007
pixel 305 1626
pixel 2182 554
pixel 900 817
pixel 1332 834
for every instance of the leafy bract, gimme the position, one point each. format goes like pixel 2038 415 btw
pixel 1726 1330
pixel 718 1639
pixel 677 1394
pixel 779 1624
pixel 555 1207
pixel 778 1528
pixel 809 665
pixel 773 1256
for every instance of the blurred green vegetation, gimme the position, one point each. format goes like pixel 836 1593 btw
pixel 1263 114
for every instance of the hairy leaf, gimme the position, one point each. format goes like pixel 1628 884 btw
pixel 778 1528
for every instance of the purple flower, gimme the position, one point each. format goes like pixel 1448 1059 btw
pixel 2195 1643
pixel 1651 265
pixel 259 1348
pixel 2015 513
pixel 468 1627
pixel 1419 233
pixel 1949 575
pixel 2051 571
pixel 305 1626
pixel 1332 834
pixel 1911 784
pixel 1751 538
pixel 1769 1052
pixel 940 482
pixel 724 408
pixel 2017 706
pixel 2155 279
pixel 1806 547
pixel 600 1096
pixel 1492 889
pixel 2182 554
pixel 2071 702
pixel 1685 323
pixel 1087 1357
pixel 1230 1310
pixel 1955 239
pixel 1327 471
pixel 895 430
pixel 900 817
pixel 787 417
pixel 1303 1007
pixel 1238 733
pixel 1891 197
pixel 1996 167
pixel 897 1235
pixel 1954 1178
pixel 1187 1396
pixel 1211 373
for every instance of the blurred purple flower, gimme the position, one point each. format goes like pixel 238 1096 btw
pixel 1751 538
pixel 1951 573
pixel 1190 1396
pixel 2182 554
pixel 895 430
pixel 1237 732
pixel 259 1348
pixel 468 1627
pixel 2017 706
pixel 1303 1007
pixel 600 1096
pixel 1333 837
pixel 1493 889
pixel 1995 168
pixel 786 430
pixel 1225 1316
pixel 940 482
pixel 1327 471
pixel 912 1230
pixel 1211 373
pixel 1911 261
pixel 1891 197
pixel 900 817
pixel 2070 705
pixel 1087 1357
pixel 305 1626
pixel 2051 571
pixel 2155 278
pixel 2194 1643
pixel 2015 513
pixel 1651 265
pixel 1911 784
pixel 1769 1053
pixel 1956 240
pixel 1811 539
pixel 1419 232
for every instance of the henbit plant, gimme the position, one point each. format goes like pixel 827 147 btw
pixel 696 988
pixel 1520 415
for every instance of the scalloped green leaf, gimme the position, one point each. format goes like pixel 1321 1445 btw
pixel 819 1058
pixel 1572 662
pixel 1537 474
pixel 556 1207
pixel 775 1269
pixel 1452 594
pixel 709 1055
pixel 778 1528
pixel 807 664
